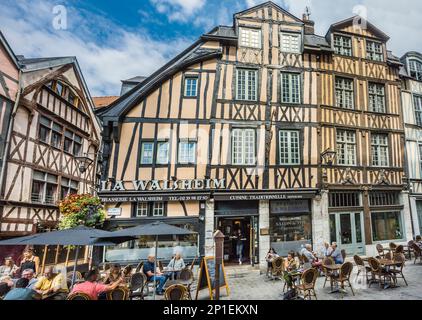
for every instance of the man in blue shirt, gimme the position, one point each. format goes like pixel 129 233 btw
pixel 155 275
pixel 336 254
pixel 21 292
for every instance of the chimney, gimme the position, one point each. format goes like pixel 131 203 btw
pixel 309 24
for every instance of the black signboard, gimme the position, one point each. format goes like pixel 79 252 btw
pixel 206 279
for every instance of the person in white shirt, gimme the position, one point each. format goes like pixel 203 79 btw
pixel 176 265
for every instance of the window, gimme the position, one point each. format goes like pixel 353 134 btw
pixel 187 152
pixel 44 130
pixel 344 93
pixel 73 100
pixel 379 147
pixel 376 97
pixel 290 87
pixel 374 51
pixel 59 88
pixel 417 100
pixel 163 153
pixel 289 147
pixel 243 147
pixel 386 226
pixel 77 145
pixel 142 209
pixel 420 157
pixel 150 209
pixel 344 199
pixel 44 187
pixel 247 84
pixel 191 87
pixel 346 147
pixel 50 132
pixel 68 187
pixel 72 143
pixel 415 67
pixel 250 38
pixel 384 198
pixel 147 153
pixel 290 42
pixel 343 45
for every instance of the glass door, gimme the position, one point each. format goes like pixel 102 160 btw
pixel 347 230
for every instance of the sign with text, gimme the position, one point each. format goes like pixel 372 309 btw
pixel 206 278
pixel 114 212
pixel 262 196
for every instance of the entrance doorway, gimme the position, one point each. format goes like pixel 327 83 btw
pixel 240 235
pixel 347 230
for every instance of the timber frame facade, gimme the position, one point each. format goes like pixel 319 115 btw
pixel 52 123
pixel 230 134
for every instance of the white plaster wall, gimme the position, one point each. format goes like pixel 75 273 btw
pixel 320 221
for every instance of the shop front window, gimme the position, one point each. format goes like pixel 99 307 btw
pixel 387 226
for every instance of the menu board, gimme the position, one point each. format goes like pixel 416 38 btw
pixel 206 279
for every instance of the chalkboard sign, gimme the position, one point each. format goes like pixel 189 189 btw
pixel 206 279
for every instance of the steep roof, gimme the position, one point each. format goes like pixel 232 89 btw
pixel 9 50
pixel 137 79
pixel 370 26
pixel 101 102
pixel 315 42
pixel 268 4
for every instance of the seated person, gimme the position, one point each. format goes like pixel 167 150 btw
pixel 290 266
pixel 9 269
pixel 22 292
pixel 336 254
pixel 155 275
pixel 52 286
pixel 92 288
pixel 26 274
pixel 271 255
pixel 327 250
pixel 313 260
pixel 114 274
pixel 176 265
pixel 418 241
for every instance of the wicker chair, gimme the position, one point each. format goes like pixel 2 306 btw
pixel 398 270
pixel 328 261
pixel 137 285
pixel 361 267
pixel 399 249
pixel 343 254
pixel 344 276
pixel 410 249
pixel 417 251
pixel 307 285
pixel 380 250
pixel 176 292
pixel 389 256
pixel 277 270
pixel 186 275
pixel 378 272
pixel 139 267
pixel 78 296
pixel 118 294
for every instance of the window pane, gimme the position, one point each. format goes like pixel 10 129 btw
pixel 44 134
pixel 346 147
pixel 386 226
pixel 250 38
pixel 379 148
pixel 77 149
pixel 162 153
pixel 147 153
pixel 37 191
pixel 50 193
pixel 376 97
pixel 247 84
pixel 191 85
pixel 158 209
pixel 417 100
pixel 56 140
pixel 344 93
pixel 243 147
pixel 343 45
pixel 289 147
pixel 142 209
pixel 290 42
pixel 187 152
pixel 68 145
pixel 290 88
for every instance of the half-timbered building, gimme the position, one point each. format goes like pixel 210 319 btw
pixel 412 112
pixel 51 128
pixel 360 117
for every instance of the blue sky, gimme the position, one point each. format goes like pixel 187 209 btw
pixel 119 39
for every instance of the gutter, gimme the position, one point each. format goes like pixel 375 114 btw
pixel 8 136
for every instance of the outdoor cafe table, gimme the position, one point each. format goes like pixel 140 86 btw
pixel 169 283
pixel 389 263
pixel 333 268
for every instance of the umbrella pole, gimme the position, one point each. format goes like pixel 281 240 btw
pixel 155 265
pixel 74 266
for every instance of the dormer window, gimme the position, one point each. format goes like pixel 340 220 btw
pixel 343 45
pixel 374 51
pixel 415 67
pixel 59 88
pixel 290 42
pixel 250 38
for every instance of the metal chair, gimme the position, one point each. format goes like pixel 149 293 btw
pixel 307 285
pixel 392 245
pixel 176 292
pixel 344 276
pixel 328 261
pixel 397 271
pixel 399 249
pixel 186 275
pixel 343 254
pixel 378 271
pixel 361 267
pixel 277 270
pixel 137 285
pixel 78 296
pixel 380 250
pixel 139 267
pixel 417 251
pixel 118 294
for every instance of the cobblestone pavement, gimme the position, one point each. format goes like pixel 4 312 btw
pixel 247 283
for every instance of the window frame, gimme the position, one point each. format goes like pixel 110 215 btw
pixel 418 73
pixel 290 83
pixel 248 95
pixel 249 44
pixel 150 209
pixel 379 147
pixel 157 162
pixel 377 95
pixel 185 86
pixel 141 157
pixel 373 50
pixel 289 147
pixel 401 222
pixel 179 153
pixel 45 182
pixel 417 109
pixel 343 93
pixel 243 143
pixel 290 35
pixel 341 47
pixel 346 144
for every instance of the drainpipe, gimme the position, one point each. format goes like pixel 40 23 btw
pixel 9 134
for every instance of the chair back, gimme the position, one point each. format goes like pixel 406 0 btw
pixel 176 292
pixel 328 261
pixel 346 270
pixel 416 249
pixel 374 264
pixel 380 248
pixel 343 254
pixel 358 260
pixel 78 275
pixel 127 271
pixel 278 266
pixel 392 245
pixel 388 256
pixel 193 263
pixel 305 259
pixel 118 294
pixel 139 267
pixel 186 275
pixel 410 243
pixel 399 249
pixel 399 258
pixel 78 296
pixel 309 277
pixel 160 266
pixel 137 281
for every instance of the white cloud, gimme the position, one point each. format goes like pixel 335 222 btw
pixel 178 10
pixel 106 52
